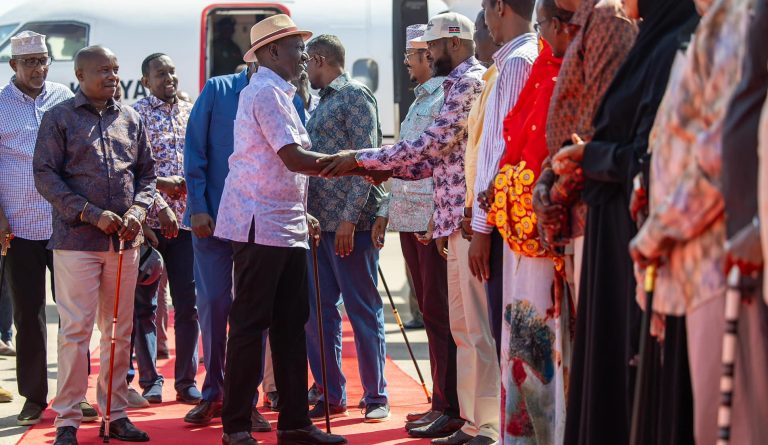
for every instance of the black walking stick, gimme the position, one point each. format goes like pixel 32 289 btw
pixel 730 344
pixel 402 329
pixel 643 384
pixel 112 345
pixel 322 341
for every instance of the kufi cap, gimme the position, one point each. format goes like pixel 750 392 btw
pixel 28 42
pixel 414 32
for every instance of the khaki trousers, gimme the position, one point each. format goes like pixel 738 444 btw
pixel 478 375
pixel 85 292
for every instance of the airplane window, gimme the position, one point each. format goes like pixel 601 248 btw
pixel 5 30
pixel 366 71
pixel 64 39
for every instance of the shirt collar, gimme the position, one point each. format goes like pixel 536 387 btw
pixel 430 86
pixel 241 80
pixel 20 94
pixel 502 53
pixel 337 84
pixel 270 76
pixel 82 101
pixel 156 102
pixel 459 71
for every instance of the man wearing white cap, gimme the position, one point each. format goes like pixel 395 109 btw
pixel 439 152
pixel 263 213
pixel 25 217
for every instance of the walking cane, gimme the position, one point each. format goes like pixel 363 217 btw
pixel 402 329
pixel 112 345
pixel 4 245
pixel 730 343
pixel 326 403
pixel 644 365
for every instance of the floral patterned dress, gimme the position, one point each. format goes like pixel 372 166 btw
pixel 536 336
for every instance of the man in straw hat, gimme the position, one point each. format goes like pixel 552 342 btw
pixel 25 216
pixel 439 152
pixel 263 213
pixel 93 164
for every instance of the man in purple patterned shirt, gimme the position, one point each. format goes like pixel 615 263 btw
pixel 439 152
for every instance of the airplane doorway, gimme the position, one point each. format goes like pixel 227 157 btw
pixel 227 35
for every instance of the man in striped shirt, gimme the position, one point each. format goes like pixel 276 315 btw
pixel 509 22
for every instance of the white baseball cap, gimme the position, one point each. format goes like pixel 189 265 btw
pixel 447 25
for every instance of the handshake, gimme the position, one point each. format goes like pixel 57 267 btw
pixel 344 163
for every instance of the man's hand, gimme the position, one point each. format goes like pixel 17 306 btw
pixel 338 164
pixel 6 234
pixel 550 216
pixel 479 256
pixel 376 177
pixel 150 235
pixel 426 237
pixel 109 222
pixel 202 225
pixel 314 229
pixel 378 231
pixel 345 239
pixel 169 225
pixel 485 200
pixel 638 257
pixel 130 228
pixel 173 186
pixel 567 161
pixel 441 244
pixel 744 250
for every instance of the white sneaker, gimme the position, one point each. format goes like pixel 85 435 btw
pixel 135 400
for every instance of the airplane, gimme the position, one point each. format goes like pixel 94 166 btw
pixel 206 38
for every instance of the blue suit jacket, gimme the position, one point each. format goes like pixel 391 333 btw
pixel 210 141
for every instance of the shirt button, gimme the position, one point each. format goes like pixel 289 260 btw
pixel 533 128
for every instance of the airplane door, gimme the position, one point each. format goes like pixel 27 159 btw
pixel 225 35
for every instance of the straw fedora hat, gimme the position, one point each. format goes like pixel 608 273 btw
pixel 271 29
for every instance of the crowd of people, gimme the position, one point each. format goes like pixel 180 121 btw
pixel 557 155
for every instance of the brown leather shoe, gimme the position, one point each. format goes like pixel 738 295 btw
pixel 410 417
pixel 203 413
pixel 425 420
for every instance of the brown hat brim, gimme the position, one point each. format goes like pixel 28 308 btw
pixel 250 56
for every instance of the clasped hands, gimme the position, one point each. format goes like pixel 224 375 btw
pixel 344 163
pixel 127 227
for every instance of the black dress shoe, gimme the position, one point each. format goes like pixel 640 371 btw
pixel 457 438
pixel 272 401
pixel 442 427
pixel 310 435
pixel 203 413
pixel 123 429
pixel 30 414
pixel 66 435
pixel 241 438
pixel 258 423
pixel 413 324
pixel 424 420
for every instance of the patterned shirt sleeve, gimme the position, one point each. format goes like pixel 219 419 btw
pixel 441 138
pixel 362 126
pixel 145 171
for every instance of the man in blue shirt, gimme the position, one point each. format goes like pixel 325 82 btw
pixel 208 145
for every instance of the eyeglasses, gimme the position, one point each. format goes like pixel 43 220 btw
pixel 34 62
pixel 408 54
pixel 537 25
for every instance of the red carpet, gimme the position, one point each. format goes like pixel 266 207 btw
pixel 164 422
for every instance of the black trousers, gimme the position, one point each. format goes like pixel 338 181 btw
pixel 494 288
pixel 430 279
pixel 270 285
pixel 25 275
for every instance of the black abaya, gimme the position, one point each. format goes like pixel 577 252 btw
pixel 608 320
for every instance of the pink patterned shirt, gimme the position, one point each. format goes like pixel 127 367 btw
pixel 259 187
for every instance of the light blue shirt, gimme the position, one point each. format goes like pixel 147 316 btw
pixel 411 202
pixel 28 213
